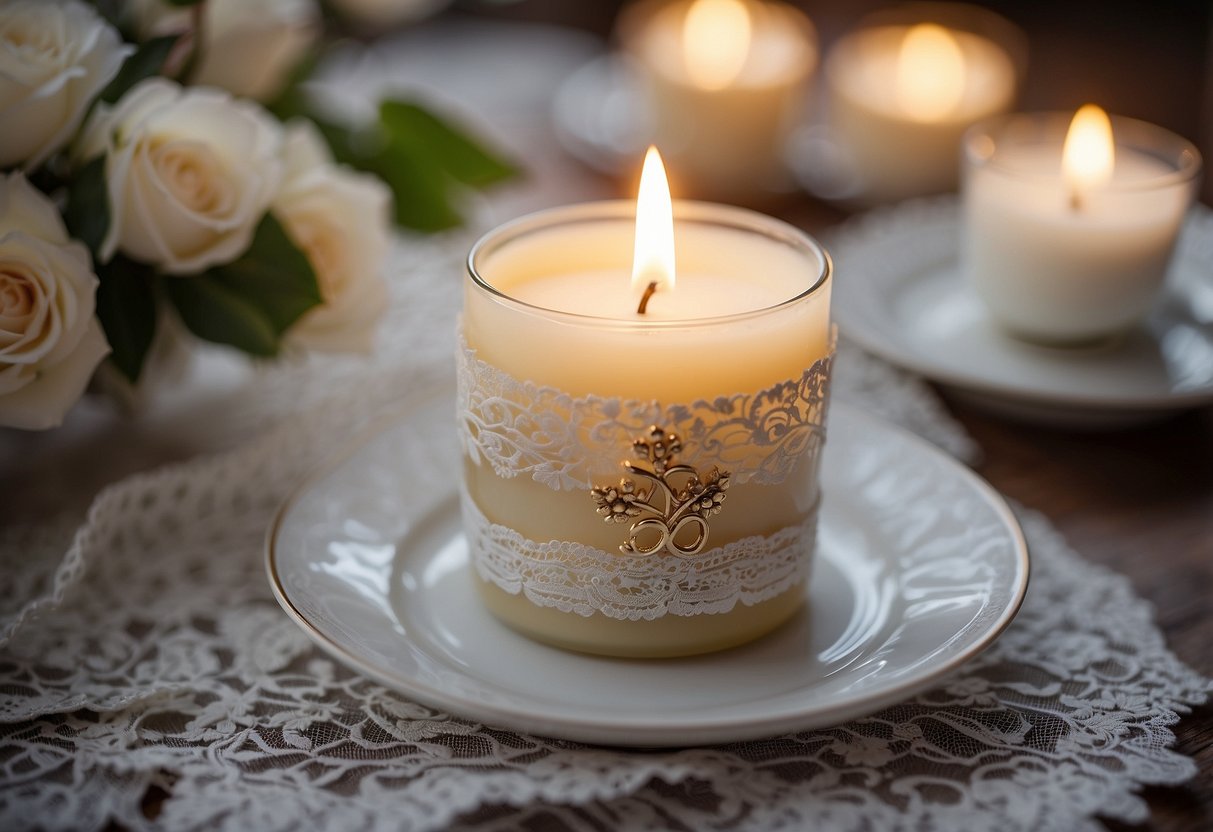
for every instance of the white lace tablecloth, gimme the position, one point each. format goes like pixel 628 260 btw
pixel 140 647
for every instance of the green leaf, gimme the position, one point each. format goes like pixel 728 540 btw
pixel 214 313
pixel 274 276
pixel 147 61
pixel 88 210
pixel 126 308
pixel 421 194
pixel 250 302
pixel 442 144
pixel 344 143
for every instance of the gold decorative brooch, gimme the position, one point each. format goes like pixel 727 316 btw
pixel 676 508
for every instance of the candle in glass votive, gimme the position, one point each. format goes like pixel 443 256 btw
pixel 1070 224
pixel 902 94
pixel 703 538
pixel 728 80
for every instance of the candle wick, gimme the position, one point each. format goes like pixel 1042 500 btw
pixel 649 291
pixel 1075 200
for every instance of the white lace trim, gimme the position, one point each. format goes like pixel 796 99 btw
pixel 573 577
pixel 564 442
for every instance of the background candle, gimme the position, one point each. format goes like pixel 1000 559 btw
pixel 903 89
pixel 1073 249
pixel 728 79
pixel 552 302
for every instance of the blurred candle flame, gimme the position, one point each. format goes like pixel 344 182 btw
pixel 654 254
pixel 716 41
pixel 1088 155
pixel 930 78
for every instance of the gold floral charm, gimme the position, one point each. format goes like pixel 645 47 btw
pixel 677 509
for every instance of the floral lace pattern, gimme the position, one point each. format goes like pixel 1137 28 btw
pixel 572 577
pixel 524 429
pixel 143 650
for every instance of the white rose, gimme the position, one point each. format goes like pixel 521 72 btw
pixel 50 343
pixel 384 13
pixel 249 47
pixel 54 59
pixel 340 219
pixel 190 173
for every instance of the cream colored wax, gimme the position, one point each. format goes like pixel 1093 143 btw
pixel 727 86
pixel 740 319
pixel 901 97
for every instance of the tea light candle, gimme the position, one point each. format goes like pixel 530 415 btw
pixel 901 97
pixel 553 306
pixel 728 79
pixel 1069 229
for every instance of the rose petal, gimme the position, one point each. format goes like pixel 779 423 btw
pixel 43 402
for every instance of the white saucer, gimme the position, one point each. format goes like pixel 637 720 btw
pixel 899 293
pixel 603 114
pixel 920 566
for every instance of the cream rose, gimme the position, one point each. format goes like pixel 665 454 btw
pixel 190 173
pixel 249 47
pixel 55 57
pixel 340 219
pixel 50 342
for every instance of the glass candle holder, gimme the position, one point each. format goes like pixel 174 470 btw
pixel 905 85
pixel 643 485
pixel 1061 266
pixel 725 91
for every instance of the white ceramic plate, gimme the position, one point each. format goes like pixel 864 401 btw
pixel 920 566
pixel 603 114
pixel 899 292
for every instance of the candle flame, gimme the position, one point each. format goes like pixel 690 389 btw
pixel 716 41
pixel 654 255
pixel 930 78
pixel 1088 155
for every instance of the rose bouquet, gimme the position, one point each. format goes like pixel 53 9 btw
pixel 161 169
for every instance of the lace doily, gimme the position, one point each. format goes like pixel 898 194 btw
pixel 564 442
pixel 152 655
pixel 572 577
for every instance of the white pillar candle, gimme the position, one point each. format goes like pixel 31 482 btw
pixel 551 305
pixel 901 96
pixel 1067 240
pixel 728 79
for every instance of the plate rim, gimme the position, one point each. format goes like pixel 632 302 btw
pixel 912 359
pixel 711 731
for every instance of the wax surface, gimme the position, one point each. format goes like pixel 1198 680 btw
pixel 893 153
pixel 723 142
pixel 610 294
pixel 864 69
pixel 585 271
pixel 780 47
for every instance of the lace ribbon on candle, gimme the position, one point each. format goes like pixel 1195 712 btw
pixel 523 429
pixel 573 577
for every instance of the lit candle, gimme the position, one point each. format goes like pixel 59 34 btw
pixel 1070 224
pixel 901 97
pixel 561 372
pixel 728 80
